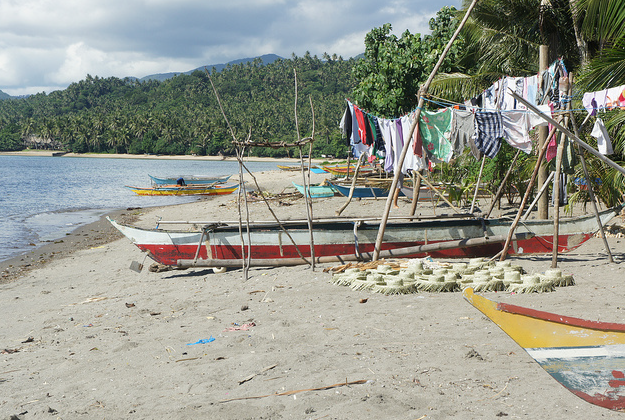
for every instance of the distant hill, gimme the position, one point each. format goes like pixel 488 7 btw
pixel 267 59
pixel 4 95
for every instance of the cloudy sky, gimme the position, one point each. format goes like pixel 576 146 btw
pixel 47 44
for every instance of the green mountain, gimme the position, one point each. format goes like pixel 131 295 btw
pixel 4 95
pixel 181 114
pixel 266 59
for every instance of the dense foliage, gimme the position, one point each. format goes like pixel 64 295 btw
pixel 181 115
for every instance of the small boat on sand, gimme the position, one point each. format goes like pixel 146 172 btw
pixel 586 357
pixel 316 190
pixel 189 179
pixel 184 189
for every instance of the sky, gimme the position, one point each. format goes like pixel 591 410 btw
pixel 45 45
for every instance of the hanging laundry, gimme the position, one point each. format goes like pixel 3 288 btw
pixel 385 127
pixel 435 128
pixel 516 131
pixel 489 98
pixel 534 120
pixel 397 139
pixel 488 132
pixel 530 91
pixel 604 144
pixel 346 125
pixel 517 85
pixel 462 129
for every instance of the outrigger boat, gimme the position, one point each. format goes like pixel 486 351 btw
pixel 218 244
pixel 184 190
pixel 189 179
pixel 586 357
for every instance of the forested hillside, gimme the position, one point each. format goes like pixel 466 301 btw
pixel 181 115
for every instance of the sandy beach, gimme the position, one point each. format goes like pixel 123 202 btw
pixel 85 337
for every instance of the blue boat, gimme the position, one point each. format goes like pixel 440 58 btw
pixel 363 191
pixel 317 191
pixel 189 179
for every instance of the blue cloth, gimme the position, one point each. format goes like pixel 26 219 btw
pixel 203 341
pixel 488 132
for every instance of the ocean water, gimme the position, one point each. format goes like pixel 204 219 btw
pixel 43 198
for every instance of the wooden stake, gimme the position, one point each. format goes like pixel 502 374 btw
pixel 416 189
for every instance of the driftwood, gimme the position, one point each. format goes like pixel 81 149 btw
pixel 363 256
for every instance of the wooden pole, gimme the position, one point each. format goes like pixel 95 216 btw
pixel 556 189
pixel 541 154
pixel 477 185
pixel 543 202
pixel 556 204
pixel 422 91
pixel 503 183
pixel 416 189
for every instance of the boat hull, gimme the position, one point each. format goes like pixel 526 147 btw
pixel 363 191
pixel 352 238
pixel 184 190
pixel 586 357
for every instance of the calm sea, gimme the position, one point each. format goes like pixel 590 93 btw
pixel 43 198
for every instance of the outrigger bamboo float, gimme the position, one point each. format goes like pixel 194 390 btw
pixel 218 244
pixel 586 357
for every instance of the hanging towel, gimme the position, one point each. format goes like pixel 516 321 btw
pixel 462 129
pixel 488 132
pixel 604 144
pixel 516 131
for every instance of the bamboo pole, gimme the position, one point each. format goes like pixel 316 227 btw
pixel 503 183
pixel 351 190
pixel 422 91
pixel 477 185
pixel 416 189
pixel 541 154
pixel 307 194
pixel 363 256
pixel 556 188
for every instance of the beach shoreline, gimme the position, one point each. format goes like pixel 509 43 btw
pixel 53 153
pixel 86 337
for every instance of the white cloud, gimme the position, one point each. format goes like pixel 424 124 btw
pixel 52 43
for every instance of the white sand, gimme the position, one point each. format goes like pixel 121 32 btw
pixel 108 342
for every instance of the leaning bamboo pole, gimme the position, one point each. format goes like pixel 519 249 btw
pixel 422 91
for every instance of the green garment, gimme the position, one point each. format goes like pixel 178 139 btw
pixel 435 130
